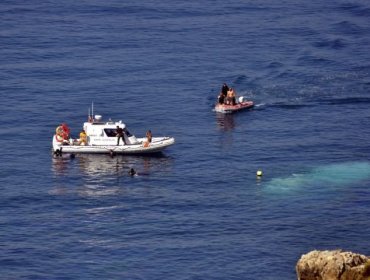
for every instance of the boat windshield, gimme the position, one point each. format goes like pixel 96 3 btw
pixel 127 132
pixel 112 132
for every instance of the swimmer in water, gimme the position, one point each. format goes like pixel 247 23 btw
pixel 132 172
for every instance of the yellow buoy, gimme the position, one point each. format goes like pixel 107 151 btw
pixel 259 173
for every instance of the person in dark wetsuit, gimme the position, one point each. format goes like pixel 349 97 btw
pixel 132 172
pixel 120 135
pixel 223 94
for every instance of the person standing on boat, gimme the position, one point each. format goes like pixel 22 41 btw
pixel 225 88
pixel 120 135
pixel 223 93
pixel 231 97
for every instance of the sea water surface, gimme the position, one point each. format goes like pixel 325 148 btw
pixel 196 211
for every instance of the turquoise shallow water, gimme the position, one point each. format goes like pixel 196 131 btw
pixel 329 176
pixel 197 211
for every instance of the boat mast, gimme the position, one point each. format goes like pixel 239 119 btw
pixel 91 116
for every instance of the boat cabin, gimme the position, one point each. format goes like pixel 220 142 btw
pixel 105 133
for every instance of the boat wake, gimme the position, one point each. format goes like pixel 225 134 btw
pixel 299 103
pixel 347 100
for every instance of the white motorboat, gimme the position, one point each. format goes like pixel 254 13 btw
pixel 101 138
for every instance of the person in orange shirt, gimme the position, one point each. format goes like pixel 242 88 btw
pixel 83 138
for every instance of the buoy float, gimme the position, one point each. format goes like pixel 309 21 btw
pixel 259 173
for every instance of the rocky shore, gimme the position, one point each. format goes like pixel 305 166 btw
pixel 333 265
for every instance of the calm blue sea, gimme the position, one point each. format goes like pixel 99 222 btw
pixel 197 211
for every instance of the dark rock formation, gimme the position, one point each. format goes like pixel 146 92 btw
pixel 333 265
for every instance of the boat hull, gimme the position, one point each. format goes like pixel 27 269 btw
pixel 228 109
pixel 158 144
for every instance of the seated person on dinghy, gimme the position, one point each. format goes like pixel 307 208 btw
pixel 148 138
